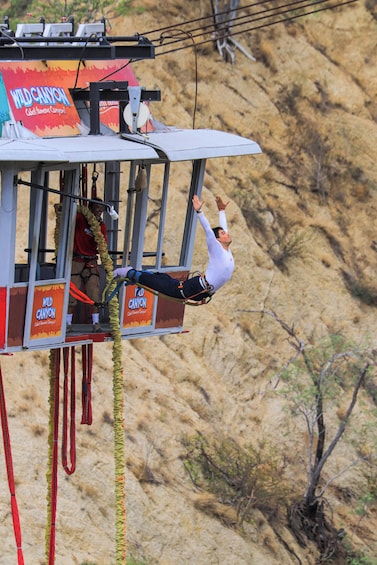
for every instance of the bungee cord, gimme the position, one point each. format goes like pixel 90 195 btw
pixel 69 406
pixel 118 393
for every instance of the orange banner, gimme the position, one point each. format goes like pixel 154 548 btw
pixel 138 307
pixel 47 314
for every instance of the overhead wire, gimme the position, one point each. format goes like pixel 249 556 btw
pixel 295 5
pixel 204 18
pixel 269 23
pixel 221 29
pixel 246 20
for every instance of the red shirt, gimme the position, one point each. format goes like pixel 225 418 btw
pixel 85 243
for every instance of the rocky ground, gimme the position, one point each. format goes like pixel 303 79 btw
pixel 302 216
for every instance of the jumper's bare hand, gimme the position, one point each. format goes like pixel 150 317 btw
pixel 221 205
pixel 197 203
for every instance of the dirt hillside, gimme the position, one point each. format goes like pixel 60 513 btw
pixel 302 217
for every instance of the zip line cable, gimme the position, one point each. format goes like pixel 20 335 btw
pixel 175 34
pixel 255 27
pixel 204 18
pixel 212 18
pixel 214 25
pixel 178 34
pixel 293 6
pixel 299 4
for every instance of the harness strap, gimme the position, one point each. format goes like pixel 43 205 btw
pixel 184 300
pixel 79 295
pixel 85 257
pixel 108 297
pixel 207 288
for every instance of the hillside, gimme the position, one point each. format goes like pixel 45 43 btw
pixel 302 217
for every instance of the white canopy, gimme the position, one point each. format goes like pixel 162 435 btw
pixel 172 144
pixel 184 145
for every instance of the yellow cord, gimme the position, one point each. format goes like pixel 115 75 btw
pixel 118 406
pixel 119 436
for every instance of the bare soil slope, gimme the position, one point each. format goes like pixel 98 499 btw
pixel 302 216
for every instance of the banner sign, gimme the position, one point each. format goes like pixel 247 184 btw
pixel 138 307
pixel 47 313
pixel 39 96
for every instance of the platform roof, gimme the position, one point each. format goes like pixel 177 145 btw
pixel 189 144
pixel 78 149
pixel 173 145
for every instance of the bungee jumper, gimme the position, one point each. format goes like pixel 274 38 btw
pixel 200 287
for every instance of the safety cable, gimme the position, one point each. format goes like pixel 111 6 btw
pixel 10 474
pixel 214 24
pixel 275 12
pixel 203 18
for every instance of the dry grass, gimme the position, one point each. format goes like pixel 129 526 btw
pixel 276 180
pixel 206 502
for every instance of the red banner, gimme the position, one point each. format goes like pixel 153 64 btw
pixel 39 92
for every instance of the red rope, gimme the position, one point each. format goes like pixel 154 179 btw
pixel 87 364
pixel 78 294
pixel 72 427
pixel 9 465
pixel 54 474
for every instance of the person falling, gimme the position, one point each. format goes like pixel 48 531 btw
pixel 219 269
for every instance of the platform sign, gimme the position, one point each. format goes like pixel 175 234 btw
pixel 38 93
pixel 138 307
pixel 47 313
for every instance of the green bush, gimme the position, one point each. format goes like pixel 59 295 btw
pixel 244 478
pixel 81 10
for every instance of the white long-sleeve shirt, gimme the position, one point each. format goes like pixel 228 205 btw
pixel 221 263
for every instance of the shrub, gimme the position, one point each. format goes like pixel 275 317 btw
pixel 244 478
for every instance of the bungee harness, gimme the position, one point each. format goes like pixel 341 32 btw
pixel 107 296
